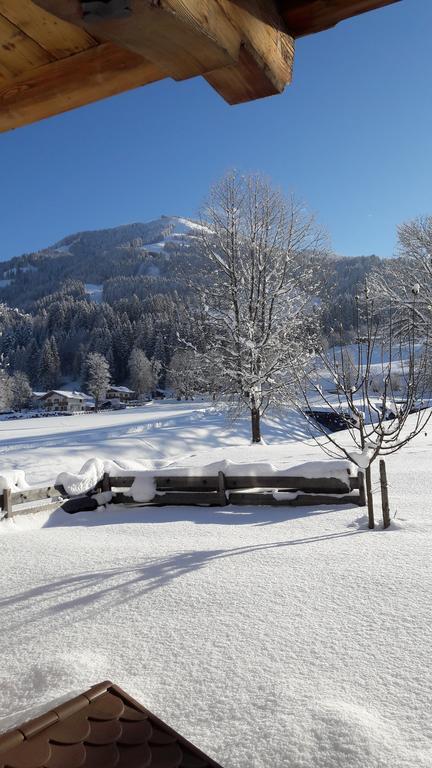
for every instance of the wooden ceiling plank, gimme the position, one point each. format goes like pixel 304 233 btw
pixel 305 17
pixel 56 36
pixel 267 56
pixel 184 38
pixel 18 53
pixel 99 72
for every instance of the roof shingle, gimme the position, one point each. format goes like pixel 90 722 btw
pixel 101 728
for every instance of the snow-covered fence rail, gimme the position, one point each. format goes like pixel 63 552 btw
pixel 217 489
pixel 221 489
pixel 25 499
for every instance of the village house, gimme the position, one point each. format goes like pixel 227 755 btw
pixel 124 394
pixel 62 400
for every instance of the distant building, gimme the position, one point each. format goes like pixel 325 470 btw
pixel 124 394
pixel 36 399
pixel 62 400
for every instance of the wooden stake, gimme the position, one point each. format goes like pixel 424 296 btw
pixel 7 502
pixel 368 479
pixel 369 498
pixel 384 494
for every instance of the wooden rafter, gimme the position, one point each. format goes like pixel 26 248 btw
pixel 59 54
pixel 304 17
pixel 265 64
pixel 184 39
pixel 241 47
pixel 99 72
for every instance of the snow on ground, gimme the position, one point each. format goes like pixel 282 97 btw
pixel 269 637
pixel 94 292
pixel 194 431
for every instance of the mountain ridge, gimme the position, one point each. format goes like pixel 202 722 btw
pixel 135 258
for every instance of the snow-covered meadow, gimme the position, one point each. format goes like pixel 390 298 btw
pixel 138 437
pixel 269 637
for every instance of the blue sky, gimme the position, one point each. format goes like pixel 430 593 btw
pixel 352 137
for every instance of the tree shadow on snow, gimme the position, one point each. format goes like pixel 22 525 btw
pixel 254 515
pixel 87 594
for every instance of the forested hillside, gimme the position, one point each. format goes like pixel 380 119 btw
pixel 111 290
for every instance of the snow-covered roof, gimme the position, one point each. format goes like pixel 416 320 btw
pixel 125 390
pixel 69 395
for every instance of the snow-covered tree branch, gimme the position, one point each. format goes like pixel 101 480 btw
pixel 379 387
pixel 257 307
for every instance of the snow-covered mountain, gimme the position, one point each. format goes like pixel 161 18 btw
pixel 138 250
pixel 156 256
pixel 151 236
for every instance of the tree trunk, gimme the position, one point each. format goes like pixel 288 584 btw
pixel 256 425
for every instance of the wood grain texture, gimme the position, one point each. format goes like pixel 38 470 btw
pixel 267 54
pixel 54 35
pixel 305 17
pixel 211 483
pixel 184 38
pixel 37 494
pixel 53 60
pixel 18 52
pixel 264 35
pixel 69 83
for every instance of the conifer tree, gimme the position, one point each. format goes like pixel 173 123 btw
pixel 49 364
pixel 33 357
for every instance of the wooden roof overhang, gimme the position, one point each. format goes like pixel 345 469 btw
pixel 56 55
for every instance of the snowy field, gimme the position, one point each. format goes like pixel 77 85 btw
pixel 139 436
pixel 271 638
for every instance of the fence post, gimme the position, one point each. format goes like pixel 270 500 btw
pixel 106 482
pixel 221 489
pixel 384 494
pixel 7 502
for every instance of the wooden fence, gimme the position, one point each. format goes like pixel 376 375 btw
pixel 218 490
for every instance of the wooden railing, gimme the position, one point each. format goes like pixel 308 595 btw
pixel 213 490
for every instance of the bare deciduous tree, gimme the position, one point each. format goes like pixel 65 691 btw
pixel 97 376
pixel 379 384
pixel 257 308
pixel 395 281
pixel 185 373
pixel 141 373
pixel 20 390
pixel 5 390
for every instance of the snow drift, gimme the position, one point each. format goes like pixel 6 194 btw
pixel 144 487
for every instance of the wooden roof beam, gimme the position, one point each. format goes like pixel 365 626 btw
pixel 304 17
pixel 183 38
pixel 240 46
pixel 266 56
pixel 99 72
